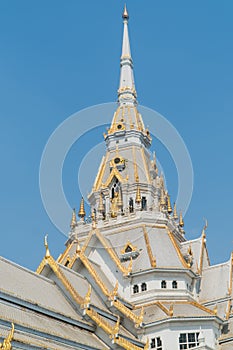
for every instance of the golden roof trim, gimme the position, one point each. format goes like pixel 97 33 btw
pixel 126 344
pixel 113 173
pixel 113 255
pixel 63 256
pixel 94 274
pixel 178 251
pixel 100 173
pixel 56 269
pixel 6 345
pixel 148 247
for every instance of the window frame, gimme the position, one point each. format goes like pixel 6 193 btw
pixel 188 340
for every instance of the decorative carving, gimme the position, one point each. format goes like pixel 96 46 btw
pixel 114 206
pixel 87 298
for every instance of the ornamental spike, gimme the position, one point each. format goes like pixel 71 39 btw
pixel 82 212
pixel 169 207
pixel 73 222
pixel 175 216
pixel 47 252
pixel 181 221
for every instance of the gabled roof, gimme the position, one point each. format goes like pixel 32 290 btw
pixel 45 327
pixel 30 287
pixel 216 281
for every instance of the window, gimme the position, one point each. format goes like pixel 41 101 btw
pixel 131 205
pixel 156 343
pixel 144 203
pixel 128 249
pixel 143 287
pixel 135 289
pixel 163 284
pixel 188 340
pixel 174 284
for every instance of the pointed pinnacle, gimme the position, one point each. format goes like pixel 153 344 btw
pixel 125 14
pixel 82 212
pixel 73 219
pixel 181 221
pixel 47 252
pixel 175 216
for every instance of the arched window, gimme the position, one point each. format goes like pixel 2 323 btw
pixel 131 205
pixel 174 284
pixel 143 287
pixel 135 289
pixel 163 284
pixel 144 203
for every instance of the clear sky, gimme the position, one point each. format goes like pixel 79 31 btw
pixel 58 57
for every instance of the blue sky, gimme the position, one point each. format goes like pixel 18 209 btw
pixel 58 57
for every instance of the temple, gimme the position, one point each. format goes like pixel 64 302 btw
pixel 129 278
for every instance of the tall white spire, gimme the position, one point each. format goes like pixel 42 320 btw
pixel 126 93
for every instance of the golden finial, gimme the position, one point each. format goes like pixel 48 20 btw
pixel 82 212
pixel 6 345
pixel 204 228
pixel 169 207
pixel 119 199
pixel 125 14
pixel 141 315
pixel 101 204
pixel 78 248
pixel 162 181
pixel 138 195
pixel 116 328
pixel 88 295
pixel 73 219
pixel 181 221
pixel 47 252
pixel 93 218
pixel 215 310
pixel 175 216
pixel 115 290
pixel 153 263
pixel 162 199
